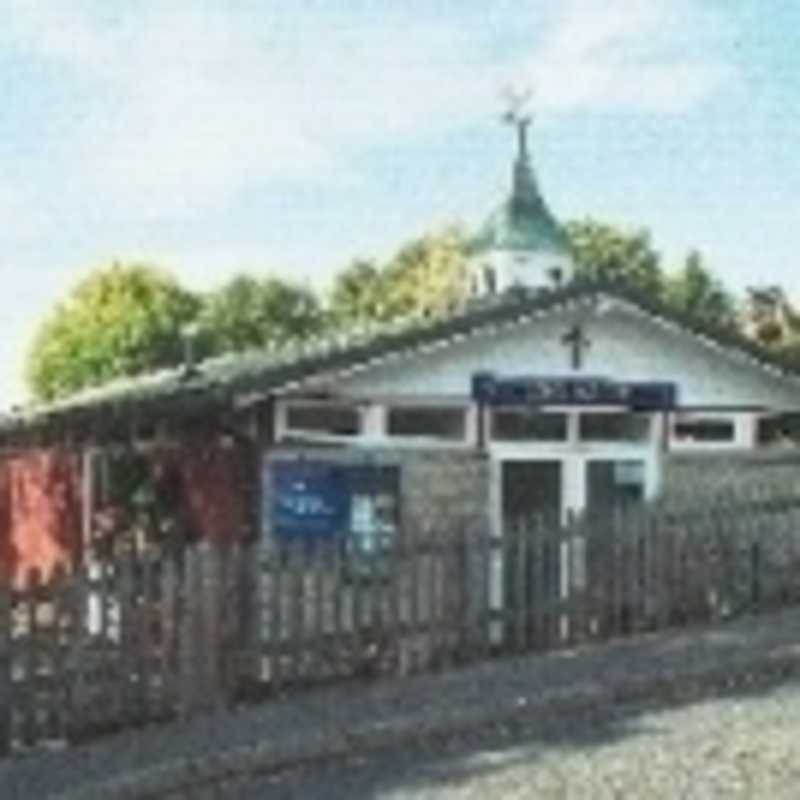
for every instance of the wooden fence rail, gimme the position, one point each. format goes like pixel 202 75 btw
pixel 145 637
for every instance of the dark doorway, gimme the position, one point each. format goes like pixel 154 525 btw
pixel 531 507
pixel 531 489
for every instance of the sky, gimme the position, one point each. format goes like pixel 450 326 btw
pixel 211 137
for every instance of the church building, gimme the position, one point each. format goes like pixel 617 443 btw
pixel 543 395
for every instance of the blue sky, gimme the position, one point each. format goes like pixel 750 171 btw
pixel 211 137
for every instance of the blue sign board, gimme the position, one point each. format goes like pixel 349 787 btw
pixel 573 391
pixel 310 500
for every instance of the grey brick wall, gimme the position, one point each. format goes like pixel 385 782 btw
pixel 698 476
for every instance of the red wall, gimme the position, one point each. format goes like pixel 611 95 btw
pixel 40 510
pixel 40 500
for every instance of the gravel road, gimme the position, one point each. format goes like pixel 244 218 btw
pixel 739 746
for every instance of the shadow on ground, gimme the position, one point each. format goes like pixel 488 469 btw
pixel 414 768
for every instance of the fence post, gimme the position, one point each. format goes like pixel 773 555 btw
pixel 5 667
pixel 755 575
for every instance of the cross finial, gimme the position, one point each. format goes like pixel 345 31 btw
pixel 518 114
pixel 577 341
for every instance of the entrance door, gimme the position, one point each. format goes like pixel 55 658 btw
pixel 614 483
pixel 527 573
pixel 530 489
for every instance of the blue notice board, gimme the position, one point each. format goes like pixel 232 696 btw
pixel 310 500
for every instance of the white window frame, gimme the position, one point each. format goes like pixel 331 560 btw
pixel 567 441
pixel 744 431
pixel 373 423
pixel 283 433
pixel 573 443
pixel 469 439
pixel 646 441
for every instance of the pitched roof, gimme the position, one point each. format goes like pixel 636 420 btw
pixel 219 381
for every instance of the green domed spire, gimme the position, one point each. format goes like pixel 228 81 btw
pixel 523 221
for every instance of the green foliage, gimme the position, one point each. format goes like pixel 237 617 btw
pixel 249 313
pixel 427 276
pixel 604 252
pixel 119 321
pixel 695 291
pixel 357 294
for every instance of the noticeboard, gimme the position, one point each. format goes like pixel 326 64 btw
pixel 310 500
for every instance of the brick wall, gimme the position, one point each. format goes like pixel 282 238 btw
pixel 697 476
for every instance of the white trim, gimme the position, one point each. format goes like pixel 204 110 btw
pixel 373 417
pixel 744 431
pixel 597 304
pixel 284 433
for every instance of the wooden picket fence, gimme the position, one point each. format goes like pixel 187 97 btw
pixel 456 596
pixel 120 643
pixel 145 637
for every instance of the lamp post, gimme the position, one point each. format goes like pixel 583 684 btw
pixel 189 334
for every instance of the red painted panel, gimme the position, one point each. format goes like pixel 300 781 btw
pixel 44 521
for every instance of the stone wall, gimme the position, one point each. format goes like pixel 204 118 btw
pixel 692 477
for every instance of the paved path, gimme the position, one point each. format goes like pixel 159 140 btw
pixel 731 747
pixel 188 759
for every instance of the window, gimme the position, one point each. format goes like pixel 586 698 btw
pixel 614 427
pixel 325 418
pixel 614 483
pixel 698 429
pixel 513 424
pixel 490 280
pixel 782 430
pixel 374 518
pixel 438 423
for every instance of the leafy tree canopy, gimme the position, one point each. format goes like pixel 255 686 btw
pixel 695 291
pixel 249 312
pixel 356 297
pixel 122 320
pixel 605 252
pixel 426 276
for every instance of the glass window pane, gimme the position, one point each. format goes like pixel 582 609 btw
pixel 441 423
pixel 510 425
pixel 340 420
pixel 614 427
pixel 611 484
pixel 704 430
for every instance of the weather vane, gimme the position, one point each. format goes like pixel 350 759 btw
pixel 518 113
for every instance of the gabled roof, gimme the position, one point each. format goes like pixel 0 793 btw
pixel 225 380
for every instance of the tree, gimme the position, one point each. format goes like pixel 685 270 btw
pixel 123 320
pixel 604 252
pixel 696 292
pixel 428 275
pixel 357 295
pixel 249 313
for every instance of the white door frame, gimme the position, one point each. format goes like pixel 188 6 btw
pixel 574 462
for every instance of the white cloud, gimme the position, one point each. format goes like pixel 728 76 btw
pixel 629 55
pixel 189 105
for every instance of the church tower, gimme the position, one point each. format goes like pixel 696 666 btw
pixel 521 244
